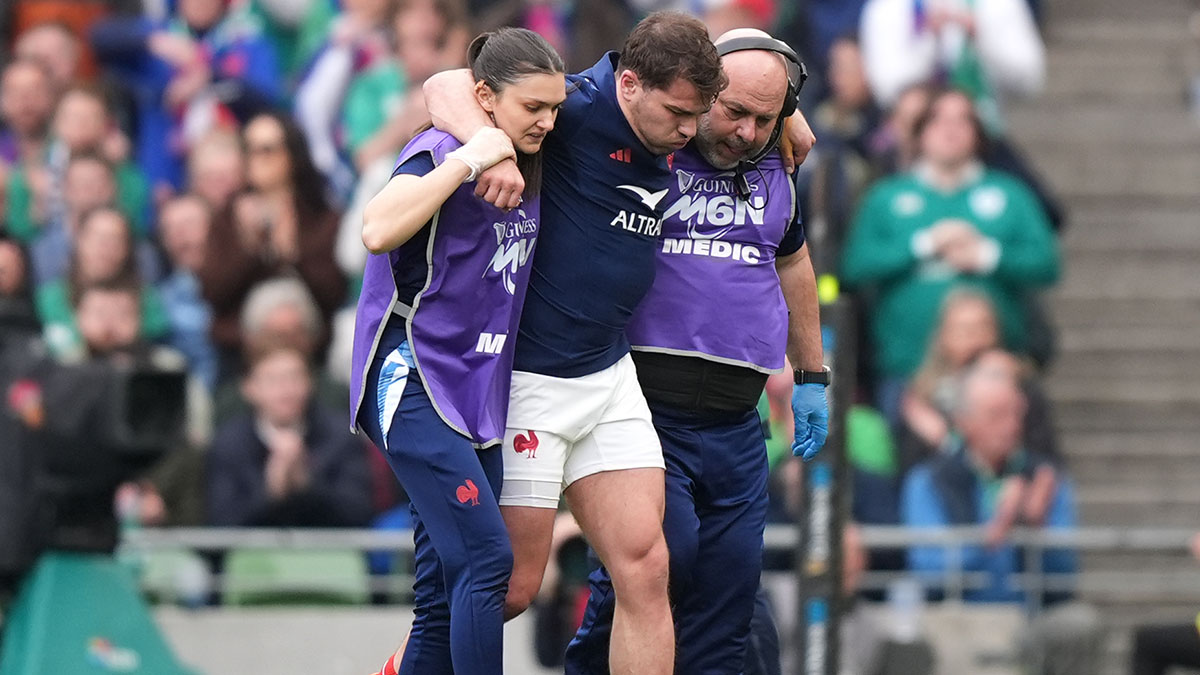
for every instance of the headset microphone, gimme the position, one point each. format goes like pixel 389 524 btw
pixel 741 184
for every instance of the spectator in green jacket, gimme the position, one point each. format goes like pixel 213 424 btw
pixel 295 28
pixel 89 182
pixel 384 104
pixel 948 221
pixel 82 124
pixel 103 253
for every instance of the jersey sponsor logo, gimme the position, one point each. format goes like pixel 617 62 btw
pixel 529 444
pixel 637 223
pixel 710 248
pixel 623 155
pixel 468 492
pixel 491 343
pixel 650 199
pixel 514 246
pixel 632 221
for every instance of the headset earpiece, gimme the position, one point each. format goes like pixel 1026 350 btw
pixel 796 74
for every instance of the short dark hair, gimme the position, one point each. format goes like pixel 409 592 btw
pixel 93 91
pixel 260 350
pixel 506 55
pixel 667 46
pixel 95 158
pixel 122 285
pixel 180 197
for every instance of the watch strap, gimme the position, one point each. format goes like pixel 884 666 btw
pixel 822 376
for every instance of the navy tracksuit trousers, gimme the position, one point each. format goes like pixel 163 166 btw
pixel 716 507
pixel 463 555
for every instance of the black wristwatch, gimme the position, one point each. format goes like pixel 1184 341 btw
pixel 822 376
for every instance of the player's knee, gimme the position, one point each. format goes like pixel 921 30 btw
pixel 642 570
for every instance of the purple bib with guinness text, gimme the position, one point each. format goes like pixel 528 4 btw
pixel 716 295
pixel 462 325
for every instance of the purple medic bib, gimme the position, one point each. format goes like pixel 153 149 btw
pixel 716 295
pixel 462 326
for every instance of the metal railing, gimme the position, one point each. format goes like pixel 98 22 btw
pixel 954 581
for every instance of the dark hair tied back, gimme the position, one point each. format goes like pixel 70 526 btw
pixel 503 56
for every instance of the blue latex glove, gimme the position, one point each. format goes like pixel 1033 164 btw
pixel 811 411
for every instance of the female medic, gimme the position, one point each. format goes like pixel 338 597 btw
pixel 433 347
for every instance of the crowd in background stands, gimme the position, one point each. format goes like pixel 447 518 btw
pixel 185 178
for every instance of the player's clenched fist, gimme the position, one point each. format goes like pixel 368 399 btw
pixel 502 185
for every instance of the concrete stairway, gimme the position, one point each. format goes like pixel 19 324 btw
pixel 1113 136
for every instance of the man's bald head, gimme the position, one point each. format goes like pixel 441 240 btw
pixel 741 33
pixel 767 67
pixel 740 123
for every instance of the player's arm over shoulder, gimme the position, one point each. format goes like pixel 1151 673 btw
pixel 450 99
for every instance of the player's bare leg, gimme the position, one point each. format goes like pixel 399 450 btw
pixel 530 529
pixel 621 515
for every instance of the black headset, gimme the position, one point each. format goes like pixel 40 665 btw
pixel 796 76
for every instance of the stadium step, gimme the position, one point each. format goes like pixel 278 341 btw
pixel 1169 446
pixel 1104 32
pixel 1170 277
pixel 1073 416
pixel 1156 173
pixel 1119 364
pixel 1112 134
pixel 1066 12
pixel 1121 124
pixel 1141 465
pixel 1087 313
pixel 1132 515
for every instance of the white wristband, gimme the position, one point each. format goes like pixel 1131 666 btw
pixel 474 167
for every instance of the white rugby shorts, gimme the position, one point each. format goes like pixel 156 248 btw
pixel 562 429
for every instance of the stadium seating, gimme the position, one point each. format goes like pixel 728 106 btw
pixel 269 576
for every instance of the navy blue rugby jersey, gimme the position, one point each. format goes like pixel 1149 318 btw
pixel 602 202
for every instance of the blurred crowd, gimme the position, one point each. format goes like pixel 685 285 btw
pixel 187 177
